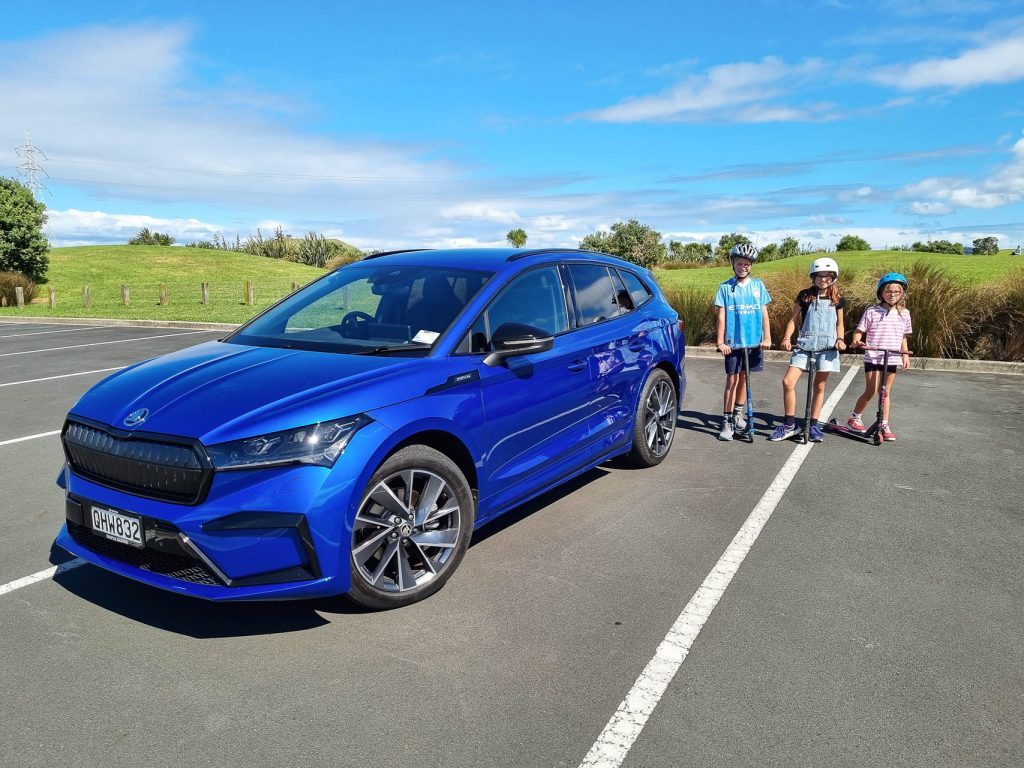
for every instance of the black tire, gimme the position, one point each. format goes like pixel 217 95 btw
pixel 412 545
pixel 658 403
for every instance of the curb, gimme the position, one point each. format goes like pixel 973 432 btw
pixel 771 355
pixel 916 363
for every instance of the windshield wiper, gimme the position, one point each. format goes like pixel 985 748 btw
pixel 389 348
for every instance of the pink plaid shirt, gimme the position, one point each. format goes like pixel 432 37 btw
pixel 885 329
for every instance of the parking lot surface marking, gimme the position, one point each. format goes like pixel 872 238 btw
pixel 49 573
pixel 62 376
pixel 39 333
pixel 622 730
pixel 29 437
pixel 100 343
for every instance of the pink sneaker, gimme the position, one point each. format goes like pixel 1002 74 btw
pixel 854 422
pixel 887 434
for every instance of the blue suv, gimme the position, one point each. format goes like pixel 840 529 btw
pixel 350 438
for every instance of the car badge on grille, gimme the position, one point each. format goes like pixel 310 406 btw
pixel 136 417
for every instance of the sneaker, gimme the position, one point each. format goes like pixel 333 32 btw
pixel 816 435
pixel 854 422
pixel 727 431
pixel 740 422
pixel 887 434
pixel 782 432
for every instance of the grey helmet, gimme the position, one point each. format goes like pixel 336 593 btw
pixel 743 251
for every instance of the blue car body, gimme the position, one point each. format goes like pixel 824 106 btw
pixel 515 429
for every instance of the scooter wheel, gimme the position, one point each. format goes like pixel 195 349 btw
pixel 877 438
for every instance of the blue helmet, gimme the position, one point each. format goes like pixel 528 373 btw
pixel 890 277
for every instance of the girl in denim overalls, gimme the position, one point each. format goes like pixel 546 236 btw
pixel 821 331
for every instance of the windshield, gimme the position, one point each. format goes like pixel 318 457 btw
pixel 368 308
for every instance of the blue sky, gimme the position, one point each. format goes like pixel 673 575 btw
pixel 433 124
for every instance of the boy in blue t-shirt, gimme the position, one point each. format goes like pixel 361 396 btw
pixel 742 303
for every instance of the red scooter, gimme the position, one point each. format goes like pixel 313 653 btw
pixel 872 434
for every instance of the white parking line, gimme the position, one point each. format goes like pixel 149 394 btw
pixel 49 573
pixel 39 333
pixel 622 730
pixel 100 343
pixel 62 376
pixel 29 437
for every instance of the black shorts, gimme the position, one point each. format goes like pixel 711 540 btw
pixel 878 367
pixel 734 361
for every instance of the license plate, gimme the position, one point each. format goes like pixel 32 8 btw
pixel 117 526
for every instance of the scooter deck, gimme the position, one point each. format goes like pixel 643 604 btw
pixel 870 435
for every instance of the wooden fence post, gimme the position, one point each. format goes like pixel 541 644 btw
pixel 295 286
pixel 86 298
pixel 163 295
pixel 250 293
pixel 204 288
pixel 19 296
pixel 53 298
pixel 125 295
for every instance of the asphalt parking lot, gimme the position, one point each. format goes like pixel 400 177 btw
pixel 876 621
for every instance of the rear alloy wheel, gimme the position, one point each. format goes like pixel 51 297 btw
pixel 411 530
pixel 654 426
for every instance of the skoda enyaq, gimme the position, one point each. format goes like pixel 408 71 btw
pixel 350 438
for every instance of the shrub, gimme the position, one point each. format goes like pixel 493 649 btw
pixel 785 285
pixel 145 237
pixel 316 250
pixel 769 252
pixel 696 308
pixel 1001 320
pixel 986 246
pixel 693 253
pixel 940 309
pixel 343 258
pixel 23 246
pixel 789 247
pixel 852 243
pixel 11 280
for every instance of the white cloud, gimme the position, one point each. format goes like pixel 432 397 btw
pixel 998 62
pixel 74 227
pixel 929 209
pixel 483 211
pixel 736 92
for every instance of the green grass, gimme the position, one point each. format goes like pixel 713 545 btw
pixel 970 270
pixel 143 268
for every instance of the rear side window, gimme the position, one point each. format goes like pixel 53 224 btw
pixel 637 290
pixel 534 298
pixel 595 293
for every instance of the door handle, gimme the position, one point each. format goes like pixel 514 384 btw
pixel 577 365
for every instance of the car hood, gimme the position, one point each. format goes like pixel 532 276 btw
pixel 222 391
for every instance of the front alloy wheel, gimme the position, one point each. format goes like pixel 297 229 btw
pixel 655 421
pixel 411 530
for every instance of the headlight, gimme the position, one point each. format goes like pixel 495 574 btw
pixel 319 444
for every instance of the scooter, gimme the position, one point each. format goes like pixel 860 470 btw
pixel 812 369
pixel 872 434
pixel 748 434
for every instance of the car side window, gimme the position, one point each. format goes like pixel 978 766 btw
pixel 637 290
pixel 595 293
pixel 534 298
pixel 622 297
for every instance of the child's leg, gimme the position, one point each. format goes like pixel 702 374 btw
pixel 890 378
pixel 741 389
pixel 818 396
pixel 730 392
pixel 789 390
pixel 871 379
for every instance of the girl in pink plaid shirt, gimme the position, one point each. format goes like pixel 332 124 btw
pixel 886 325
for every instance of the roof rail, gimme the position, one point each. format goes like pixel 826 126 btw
pixel 391 253
pixel 540 251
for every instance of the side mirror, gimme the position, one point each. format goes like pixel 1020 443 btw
pixel 513 339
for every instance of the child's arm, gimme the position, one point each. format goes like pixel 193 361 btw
pixel 720 333
pixel 840 329
pixel 786 344
pixel 766 329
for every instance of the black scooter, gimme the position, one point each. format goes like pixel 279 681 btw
pixel 872 434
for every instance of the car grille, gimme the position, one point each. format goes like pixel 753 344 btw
pixel 144 467
pixel 174 566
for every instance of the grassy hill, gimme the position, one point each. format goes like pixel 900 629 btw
pixel 143 268
pixel 970 270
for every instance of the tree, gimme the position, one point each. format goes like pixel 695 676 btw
pixel 516 238
pixel 852 243
pixel 23 247
pixel 938 246
pixel 768 252
pixel 629 240
pixel 727 242
pixel 694 253
pixel 788 247
pixel 986 246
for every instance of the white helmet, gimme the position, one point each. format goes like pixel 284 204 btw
pixel 824 265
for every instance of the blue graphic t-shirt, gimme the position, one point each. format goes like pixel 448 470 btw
pixel 743 304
